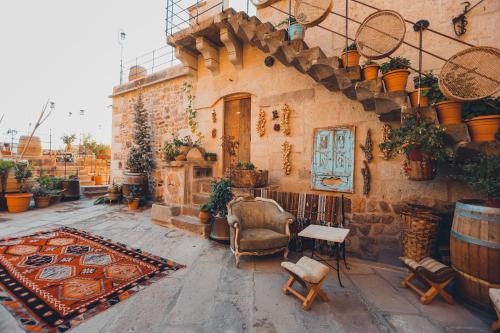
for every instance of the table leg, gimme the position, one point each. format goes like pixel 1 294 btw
pixel 338 264
pixel 344 255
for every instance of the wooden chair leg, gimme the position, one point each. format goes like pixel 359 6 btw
pixel 408 280
pixel 436 289
pixel 288 285
pixel 237 257
pixel 311 296
pixel 495 326
pixel 285 254
pixel 323 296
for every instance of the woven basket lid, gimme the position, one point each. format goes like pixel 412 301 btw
pixel 471 74
pixel 380 34
pixel 263 3
pixel 311 12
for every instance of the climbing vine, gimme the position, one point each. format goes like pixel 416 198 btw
pixel 191 112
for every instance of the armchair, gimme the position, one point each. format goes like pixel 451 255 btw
pixel 258 227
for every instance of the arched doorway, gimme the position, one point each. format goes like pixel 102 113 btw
pixel 237 122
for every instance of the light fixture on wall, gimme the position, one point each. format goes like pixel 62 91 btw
pixel 269 61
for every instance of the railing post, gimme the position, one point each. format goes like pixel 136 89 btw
pixel 346 32
pixel 197 11
pixel 153 66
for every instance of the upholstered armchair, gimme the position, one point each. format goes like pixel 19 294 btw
pixel 258 227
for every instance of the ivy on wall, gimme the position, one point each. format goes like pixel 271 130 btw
pixel 191 112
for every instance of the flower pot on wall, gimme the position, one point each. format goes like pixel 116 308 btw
pixel 296 31
pixel 424 101
pixel 249 178
pixel 42 202
pixel 449 112
pixel 370 72
pixel 396 80
pixel 350 59
pixel 483 128
pixel 420 166
pixel 18 202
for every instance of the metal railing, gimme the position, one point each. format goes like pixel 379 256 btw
pixel 148 63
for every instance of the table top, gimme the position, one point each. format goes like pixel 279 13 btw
pixel 330 234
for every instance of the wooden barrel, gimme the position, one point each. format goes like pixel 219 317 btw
pixel 34 148
pixel 137 72
pixel 475 251
pixel 131 178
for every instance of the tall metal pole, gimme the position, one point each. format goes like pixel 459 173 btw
pixel 346 32
pixel 50 141
pixel 121 39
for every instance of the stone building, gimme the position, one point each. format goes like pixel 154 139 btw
pixel 230 80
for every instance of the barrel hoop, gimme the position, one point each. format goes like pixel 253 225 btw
pixel 464 213
pixel 476 208
pixel 467 239
pixel 476 279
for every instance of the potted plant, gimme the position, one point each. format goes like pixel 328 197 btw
pixel 134 198
pixel 20 202
pixel 115 192
pixel 370 70
pixel 295 30
pixel 395 74
pixel 449 112
pixel 5 167
pixel 211 157
pixel 219 198
pixel 350 56
pixel 55 189
pixel 422 84
pixel 170 151
pixel 482 174
pixel 68 141
pixel 205 213
pixel 41 196
pixel 245 175
pixel 483 119
pixel 423 145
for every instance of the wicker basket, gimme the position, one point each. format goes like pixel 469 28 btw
pixel 419 231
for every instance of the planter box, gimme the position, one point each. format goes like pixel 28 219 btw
pixel 249 178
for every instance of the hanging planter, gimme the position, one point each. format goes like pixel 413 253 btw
pixel 422 143
pixel 395 74
pixel 295 30
pixel 449 112
pixel 483 119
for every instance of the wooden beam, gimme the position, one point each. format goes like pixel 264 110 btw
pixel 210 54
pixel 233 46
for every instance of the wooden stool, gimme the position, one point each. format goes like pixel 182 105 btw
pixel 495 299
pixel 311 275
pixel 433 274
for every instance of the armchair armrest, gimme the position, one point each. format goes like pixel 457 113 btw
pixel 233 221
pixel 281 222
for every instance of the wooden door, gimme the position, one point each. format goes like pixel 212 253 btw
pixel 237 114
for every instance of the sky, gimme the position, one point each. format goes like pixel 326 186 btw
pixel 68 50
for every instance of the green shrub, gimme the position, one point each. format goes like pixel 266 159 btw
pixel 394 64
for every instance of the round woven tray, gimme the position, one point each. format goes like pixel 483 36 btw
pixel 380 34
pixel 471 74
pixel 312 12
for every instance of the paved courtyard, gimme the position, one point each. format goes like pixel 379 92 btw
pixel 212 295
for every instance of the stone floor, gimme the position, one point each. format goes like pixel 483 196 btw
pixel 211 295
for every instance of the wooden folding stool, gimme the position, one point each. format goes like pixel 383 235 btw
pixel 311 275
pixel 495 299
pixel 433 274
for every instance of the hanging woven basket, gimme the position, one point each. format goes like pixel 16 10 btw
pixel 310 13
pixel 471 74
pixel 380 34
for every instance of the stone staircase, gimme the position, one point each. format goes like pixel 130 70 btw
pixel 233 29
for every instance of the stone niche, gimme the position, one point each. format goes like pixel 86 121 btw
pixel 187 182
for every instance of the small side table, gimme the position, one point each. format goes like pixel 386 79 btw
pixel 330 234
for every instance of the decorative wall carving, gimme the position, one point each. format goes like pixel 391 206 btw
pixel 285 120
pixel 214 116
pixel 333 159
pixel 287 151
pixel 366 178
pixel 261 123
pixel 368 146
pixel 387 134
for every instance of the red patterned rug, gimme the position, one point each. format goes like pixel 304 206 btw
pixel 53 280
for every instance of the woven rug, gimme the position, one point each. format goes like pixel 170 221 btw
pixel 51 281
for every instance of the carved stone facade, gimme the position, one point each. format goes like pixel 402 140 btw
pixel 237 68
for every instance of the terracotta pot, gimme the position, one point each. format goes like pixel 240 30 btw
pixel 100 180
pixel 180 158
pixel 184 150
pixel 204 217
pixel 483 128
pixel 370 72
pixel 134 204
pixel 449 112
pixel 42 202
pixel 220 229
pixel 396 80
pixel 353 60
pixel 18 202
pixel 6 153
pixel 424 101
pixel 249 178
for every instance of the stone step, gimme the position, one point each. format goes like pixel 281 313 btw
pixel 93 190
pixel 200 198
pixel 190 210
pixel 164 213
pixel 187 223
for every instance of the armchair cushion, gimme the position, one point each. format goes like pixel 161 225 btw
pixel 261 239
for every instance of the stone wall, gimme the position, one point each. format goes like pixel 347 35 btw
pixel 374 219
